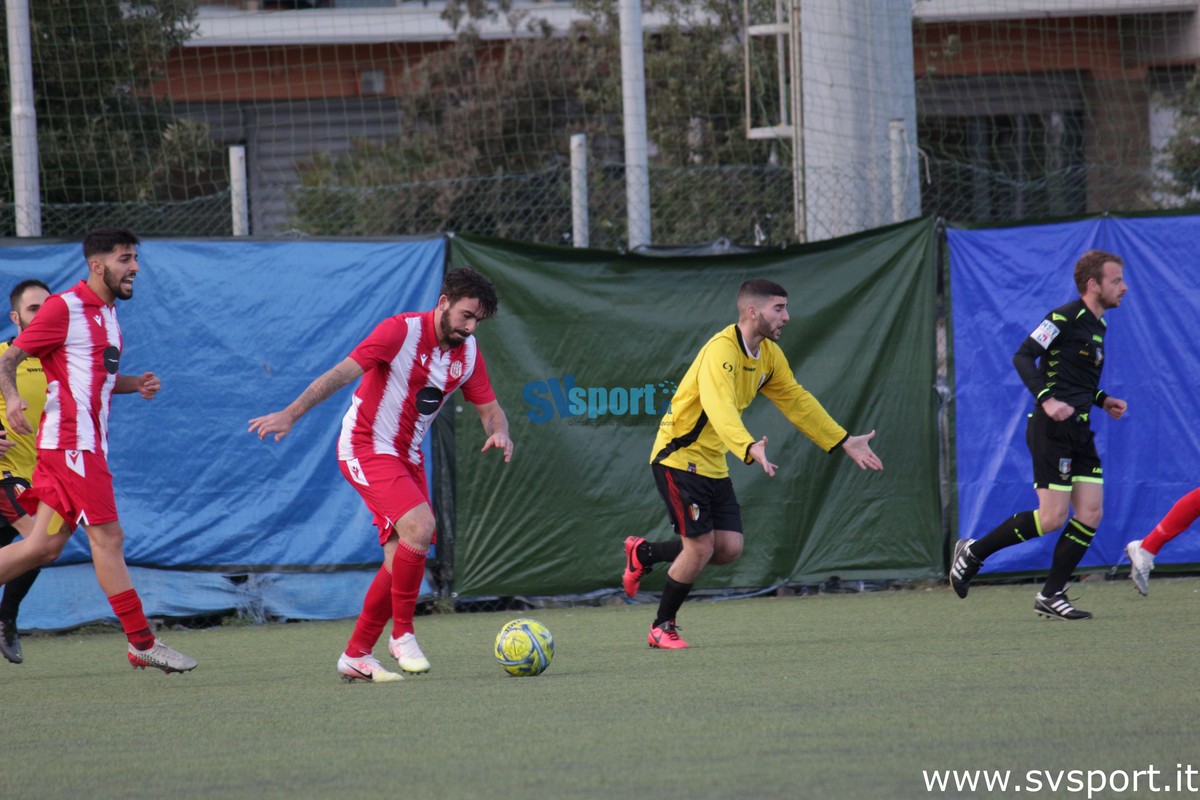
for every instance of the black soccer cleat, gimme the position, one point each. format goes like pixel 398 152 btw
pixel 10 642
pixel 963 567
pixel 1057 606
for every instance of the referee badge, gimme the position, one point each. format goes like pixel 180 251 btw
pixel 1064 468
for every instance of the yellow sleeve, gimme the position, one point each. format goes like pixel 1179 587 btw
pixel 718 396
pixel 800 406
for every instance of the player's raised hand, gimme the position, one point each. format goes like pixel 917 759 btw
pixel 758 452
pixel 859 450
pixel 501 441
pixel 277 422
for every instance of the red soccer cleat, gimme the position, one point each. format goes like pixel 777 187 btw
pixel 635 570
pixel 666 637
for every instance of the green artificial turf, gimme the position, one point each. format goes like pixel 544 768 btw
pixel 833 696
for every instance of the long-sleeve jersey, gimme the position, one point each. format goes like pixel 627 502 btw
pixel 1070 345
pixel 705 419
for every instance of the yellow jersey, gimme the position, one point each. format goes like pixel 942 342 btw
pixel 31 384
pixel 705 418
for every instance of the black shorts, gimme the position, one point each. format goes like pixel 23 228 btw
pixel 1064 453
pixel 697 505
pixel 10 509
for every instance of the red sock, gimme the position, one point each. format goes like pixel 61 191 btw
pixel 408 568
pixel 377 609
pixel 1178 519
pixel 128 608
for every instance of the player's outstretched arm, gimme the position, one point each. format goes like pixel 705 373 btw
pixel 859 450
pixel 14 404
pixel 147 385
pixel 280 422
pixel 495 425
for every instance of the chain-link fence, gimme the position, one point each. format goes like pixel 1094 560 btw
pixel 412 119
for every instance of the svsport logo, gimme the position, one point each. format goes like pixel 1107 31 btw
pixel 561 397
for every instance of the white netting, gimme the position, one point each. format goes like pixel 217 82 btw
pixel 381 118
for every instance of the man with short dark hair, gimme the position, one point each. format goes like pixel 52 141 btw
pixel 78 339
pixel 1060 364
pixel 703 424
pixel 410 364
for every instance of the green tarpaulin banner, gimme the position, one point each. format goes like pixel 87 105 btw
pixel 584 355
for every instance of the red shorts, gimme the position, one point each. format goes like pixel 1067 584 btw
pixel 75 483
pixel 389 486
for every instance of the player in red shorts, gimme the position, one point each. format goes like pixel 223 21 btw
pixel 78 339
pixel 1141 552
pixel 410 364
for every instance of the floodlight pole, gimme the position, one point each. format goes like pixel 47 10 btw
pixel 633 104
pixel 799 196
pixel 27 192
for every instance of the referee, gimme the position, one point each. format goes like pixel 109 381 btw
pixel 1060 363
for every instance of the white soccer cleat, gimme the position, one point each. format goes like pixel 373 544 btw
pixel 365 668
pixel 160 656
pixel 408 653
pixel 1141 562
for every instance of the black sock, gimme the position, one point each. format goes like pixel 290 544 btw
pixel 674 593
pixel 654 552
pixel 14 592
pixel 1072 544
pixel 1016 529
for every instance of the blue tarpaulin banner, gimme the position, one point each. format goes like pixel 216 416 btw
pixel 236 330
pixel 1002 282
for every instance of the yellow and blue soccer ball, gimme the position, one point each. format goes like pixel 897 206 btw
pixel 524 647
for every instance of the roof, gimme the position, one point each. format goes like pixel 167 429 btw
pixel 220 26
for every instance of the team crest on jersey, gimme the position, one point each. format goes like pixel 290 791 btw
pixel 456 370
pixel 1064 468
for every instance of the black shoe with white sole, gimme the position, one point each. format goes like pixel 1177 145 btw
pixel 1057 606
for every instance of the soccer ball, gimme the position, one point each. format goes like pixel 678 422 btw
pixel 524 647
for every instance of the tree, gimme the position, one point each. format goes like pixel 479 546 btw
pixel 102 137
pixel 1181 153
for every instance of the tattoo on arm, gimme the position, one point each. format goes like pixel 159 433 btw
pixel 322 389
pixel 496 421
pixel 8 369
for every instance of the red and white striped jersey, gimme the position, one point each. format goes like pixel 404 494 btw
pixel 406 379
pixel 78 339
